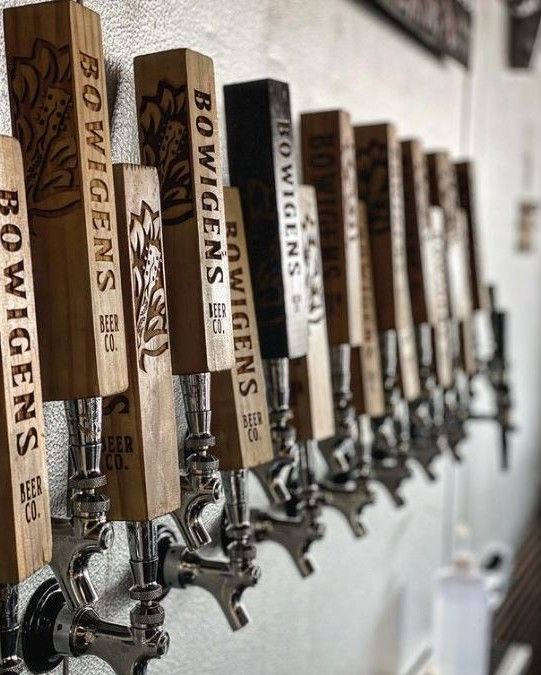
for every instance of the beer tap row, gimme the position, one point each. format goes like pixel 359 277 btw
pixel 323 334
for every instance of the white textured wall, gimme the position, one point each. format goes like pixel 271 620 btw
pixel 367 611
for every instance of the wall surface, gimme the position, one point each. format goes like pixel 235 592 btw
pixel 367 610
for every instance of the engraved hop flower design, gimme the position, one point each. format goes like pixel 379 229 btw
pixel 314 270
pixel 43 114
pixel 148 284
pixel 163 122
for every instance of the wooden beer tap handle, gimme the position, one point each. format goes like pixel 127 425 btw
pixel 310 375
pixel 444 194
pixel 140 456
pixel 24 497
pixel 262 165
pixel 58 101
pixel 328 154
pixel 379 175
pixel 178 134
pixel 239 400
pixel 367 384
pixel 465 176
pixel 426 258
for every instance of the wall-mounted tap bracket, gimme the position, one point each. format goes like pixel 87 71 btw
pixel 51 631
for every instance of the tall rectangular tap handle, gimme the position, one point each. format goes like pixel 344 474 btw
pixel 328 157
pixel 140 456
pixel 415 183
pixel 310 375
pixel 444 194
pixel 179 135
pixel 239 400
pixel 465 174
pixel 379 176
pixel 426 249
pixel 367 384
pixel 262 165
pixel 56 81
pixel 24 497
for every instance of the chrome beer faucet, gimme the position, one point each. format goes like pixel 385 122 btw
pixel 52 629
pixel 346 485
pixel 495 368
pixel 86 531
pixel 200 483
pixel 425 435
pixel 10 663
pixel 274 476
pixel 225 579
pixel 389 464
pixel 300 527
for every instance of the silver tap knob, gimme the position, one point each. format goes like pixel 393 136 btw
pixel 200 485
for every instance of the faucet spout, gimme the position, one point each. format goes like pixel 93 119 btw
pixel 226 580
pixel 51 631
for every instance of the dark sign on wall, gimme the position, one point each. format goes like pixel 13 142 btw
pixel 524 19
pixel 444 26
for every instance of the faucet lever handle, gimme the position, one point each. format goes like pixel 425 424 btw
pixel 296 534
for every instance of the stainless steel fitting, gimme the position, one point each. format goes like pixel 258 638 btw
pixel 274 476
pixel 200 484
pixel 85 531
pixel 10 663
pixel 225 579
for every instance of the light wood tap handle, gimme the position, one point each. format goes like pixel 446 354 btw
pixel 239 400
pixel 328 156
pixel 427 265
pixel 310 375
pixel 444 194
pixel 379 175
pixel 24 497
pixel 367 384
pixel 178 134
pixel 140 456
pixel 58 100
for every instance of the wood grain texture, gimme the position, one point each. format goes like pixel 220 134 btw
pixel 59 113
pixel 179 135
pixel 24 497
pixel 262 164
pixel 379 175
pixel 328 158
pixel 444 194
pixel 140 456
pixel 465 175
pixel 310 381
pixel 415 183
pixel 239 400
pixel 434 245
pixel 366 369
